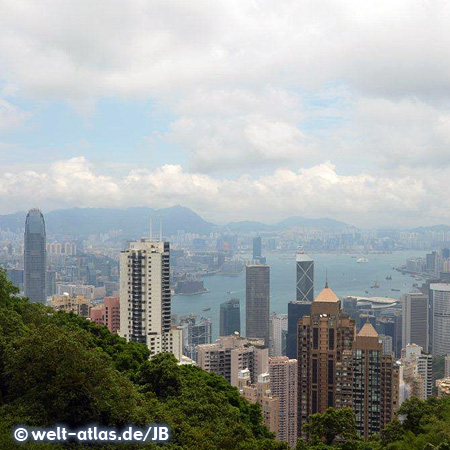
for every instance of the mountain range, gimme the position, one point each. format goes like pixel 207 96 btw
pixel 135 222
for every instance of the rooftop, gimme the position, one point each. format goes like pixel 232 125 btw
pixel 368 331
pixel 327 296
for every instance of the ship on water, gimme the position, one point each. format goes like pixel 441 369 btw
pixel 375 285
pixel 362 260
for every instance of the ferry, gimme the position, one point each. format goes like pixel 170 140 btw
pixel 362 260
pixel 206 309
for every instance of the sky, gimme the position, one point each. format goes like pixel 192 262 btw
pixel 237 109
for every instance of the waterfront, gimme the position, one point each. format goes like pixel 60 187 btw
pixel 345 276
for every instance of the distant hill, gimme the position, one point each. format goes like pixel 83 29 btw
pixel 440 227
pixel 134 222
pixel 286 224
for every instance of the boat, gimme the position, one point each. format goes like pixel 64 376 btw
pixel 395 290
pixel 366 292
pixel 389 277
pixel 375 285
pixel 362 260
pixel 206 309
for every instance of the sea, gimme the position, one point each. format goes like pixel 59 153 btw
pixel 345 277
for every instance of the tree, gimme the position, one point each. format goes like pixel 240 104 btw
pixel 333 423
pixel 161 375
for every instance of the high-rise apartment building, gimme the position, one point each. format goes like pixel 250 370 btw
pixel 230 317
pixel 230 354
pixel 260 392
pixel 283 384
pixel 338 369
pixel 145 297
pixel 416 373
pixel 257 301
pixel 35 257
pixel 375 381
pixel 305 277
pixel 277 334
pixel 107 314
pixel 296 310
pixel 440 323
pixel 415 320
pixel 323 336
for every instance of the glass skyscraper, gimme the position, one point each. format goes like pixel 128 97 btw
pixel 230 317
pixel 35 262
pixel 305 278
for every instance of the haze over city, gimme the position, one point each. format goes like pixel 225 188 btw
pixel 237 110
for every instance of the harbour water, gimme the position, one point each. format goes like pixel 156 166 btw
pixel 345 277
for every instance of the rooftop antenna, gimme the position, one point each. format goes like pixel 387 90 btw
pixel 151 229
pixel 326 278
pixel 160 228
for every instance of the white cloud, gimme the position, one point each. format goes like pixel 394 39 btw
pixel 319 191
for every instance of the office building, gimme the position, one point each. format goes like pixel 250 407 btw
pixel 257 301
pixel 230 354
pixel 195 332
pixel 145 299
pixel 447 366
pixel 230 317
pixel 305 277
pixel 440 320
pixel 296 310
pixel 415 321
pixel 283 384
pixel 15 276
pixel 257 248
pixel 35 257
pixel 277 334
pixel 260 392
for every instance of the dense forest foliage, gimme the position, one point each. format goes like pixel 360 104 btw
pixel 58 368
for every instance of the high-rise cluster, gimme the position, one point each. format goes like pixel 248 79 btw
pixel 337 368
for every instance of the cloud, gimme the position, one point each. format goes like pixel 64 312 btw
pixel 11 117
pixel 319 191
pixel 73 50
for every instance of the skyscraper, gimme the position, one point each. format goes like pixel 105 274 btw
pixel 283 384
pixel 257 301
pixel 305 277
pixel 35 263
pixel 277 332
pixel 230 317
pixel 145 298
pixel 257 248
pixel 375 383
pixel 323 336
pixel 296 310
pixel 440 304
pixel 415 320
pixel 195 332
pixel 337 370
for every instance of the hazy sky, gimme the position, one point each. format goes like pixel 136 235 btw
pixel 237 109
